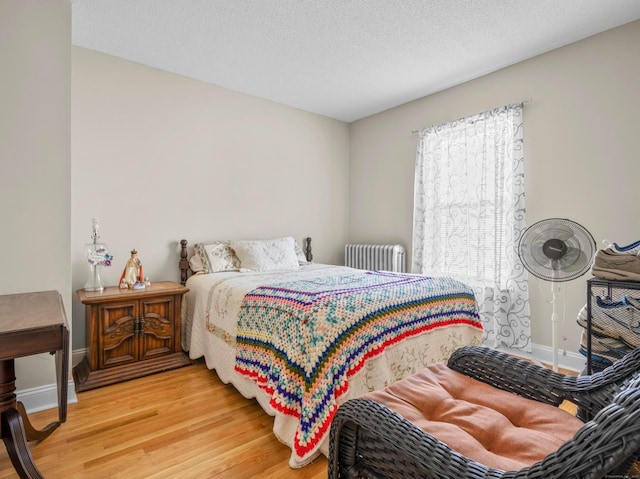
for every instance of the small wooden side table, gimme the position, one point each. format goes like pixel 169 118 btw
pixel 30 323
pixel 130 333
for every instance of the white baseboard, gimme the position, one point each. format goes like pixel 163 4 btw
pixel 45 397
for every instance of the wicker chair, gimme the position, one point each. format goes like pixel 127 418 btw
pixel 369 440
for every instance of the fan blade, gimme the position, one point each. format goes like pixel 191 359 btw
pixel 561 232
pixel 536 255
pixel 573 261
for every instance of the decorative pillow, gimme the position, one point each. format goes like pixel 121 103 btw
pixel 266 255
pixel 217 256
pixel 195 263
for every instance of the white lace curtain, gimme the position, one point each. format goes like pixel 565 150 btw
pixel 469 216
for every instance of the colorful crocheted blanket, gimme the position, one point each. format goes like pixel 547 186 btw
pixel 301 341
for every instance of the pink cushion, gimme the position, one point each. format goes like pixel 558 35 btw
pixel 493 427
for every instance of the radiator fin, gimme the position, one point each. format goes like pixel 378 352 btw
pixel 375 257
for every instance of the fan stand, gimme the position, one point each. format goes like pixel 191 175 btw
pixel 555 289
pixel 554 326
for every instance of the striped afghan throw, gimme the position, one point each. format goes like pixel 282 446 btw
pixel 301 341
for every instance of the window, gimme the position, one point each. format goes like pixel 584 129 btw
pixel 469 214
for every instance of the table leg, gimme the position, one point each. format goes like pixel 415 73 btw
pixel 62 375
pixel 13 435
pixel 31 433
pixel 12 428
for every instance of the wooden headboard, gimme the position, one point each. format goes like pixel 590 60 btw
pixel 184 262
pixel 185 270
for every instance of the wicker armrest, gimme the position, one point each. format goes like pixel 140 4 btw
pixel 506 372
pixel 512 374
pixel 607 446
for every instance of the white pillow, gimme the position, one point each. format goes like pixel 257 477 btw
pixel 302 258
pixel 195 263
pixel 266 255
pixel 217 256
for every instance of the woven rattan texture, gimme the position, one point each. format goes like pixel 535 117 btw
pixel 369 440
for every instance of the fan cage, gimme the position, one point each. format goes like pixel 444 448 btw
pixel 570 266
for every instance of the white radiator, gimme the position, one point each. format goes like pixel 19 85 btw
pixel 380 257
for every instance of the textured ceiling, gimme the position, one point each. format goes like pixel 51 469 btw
pixel 346 59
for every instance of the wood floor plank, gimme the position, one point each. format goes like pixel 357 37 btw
pixel 181 424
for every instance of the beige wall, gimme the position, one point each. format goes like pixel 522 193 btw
pixel 581 152
pixel 158 157
pixel 35 54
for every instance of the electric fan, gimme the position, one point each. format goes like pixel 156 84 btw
pixel 556 250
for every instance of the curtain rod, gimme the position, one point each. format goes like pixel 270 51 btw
pixel 524 102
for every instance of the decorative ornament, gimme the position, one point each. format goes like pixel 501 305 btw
pixel 97 257
pixel 132 276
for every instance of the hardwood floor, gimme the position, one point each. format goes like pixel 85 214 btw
pixel 182 424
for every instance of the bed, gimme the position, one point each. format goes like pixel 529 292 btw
pixel 301 337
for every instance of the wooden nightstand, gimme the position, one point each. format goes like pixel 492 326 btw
pixel 130 333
